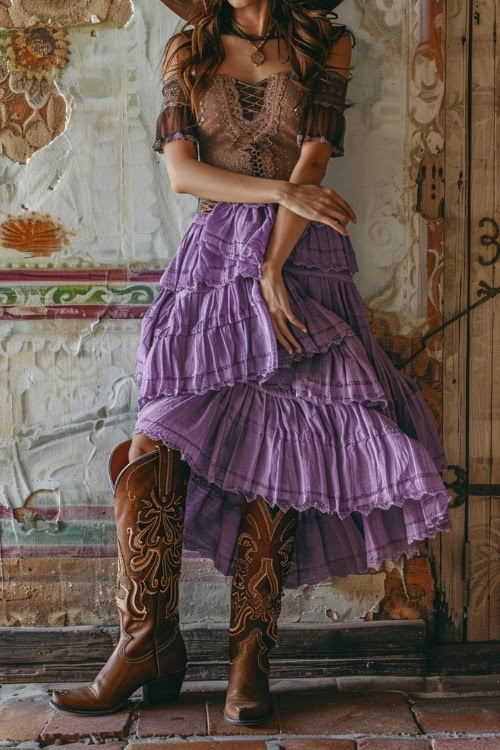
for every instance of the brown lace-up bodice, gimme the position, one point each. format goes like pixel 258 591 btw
pixel 255 129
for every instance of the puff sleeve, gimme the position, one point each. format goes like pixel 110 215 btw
pixel 324 118
pixel 176 120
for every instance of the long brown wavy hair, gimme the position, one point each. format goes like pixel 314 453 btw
pixel 308 34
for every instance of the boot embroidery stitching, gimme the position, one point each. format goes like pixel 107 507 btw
pixel 258 597
pixel 254 636
pixel 156 544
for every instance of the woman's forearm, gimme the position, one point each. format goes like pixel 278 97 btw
pixel 288 226
pixel 206 181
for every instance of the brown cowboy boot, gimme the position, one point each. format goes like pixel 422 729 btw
pixel 150 495
pixel 265 548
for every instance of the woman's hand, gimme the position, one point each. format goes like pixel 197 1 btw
pixel 318 203
pixel 276 297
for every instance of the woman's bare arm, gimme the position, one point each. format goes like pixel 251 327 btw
pixel 288 227
pixel 310 169
pixel 188 175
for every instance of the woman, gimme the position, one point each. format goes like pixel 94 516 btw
pixel 274 436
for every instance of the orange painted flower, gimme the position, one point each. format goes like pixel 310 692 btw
pixel 34 55
pixel 37 234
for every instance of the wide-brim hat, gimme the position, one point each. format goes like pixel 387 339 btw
pixel 325 4
pixel 184 7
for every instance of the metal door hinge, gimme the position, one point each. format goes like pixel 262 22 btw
pixel 466 573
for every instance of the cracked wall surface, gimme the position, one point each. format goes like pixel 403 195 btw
pixel 88 222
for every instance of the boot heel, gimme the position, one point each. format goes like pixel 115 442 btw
pixel 165 690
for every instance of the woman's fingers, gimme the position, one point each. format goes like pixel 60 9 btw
pixel 344 204
pixel 286 332
pixel 326 218
pixel 293 318
pixel 280 337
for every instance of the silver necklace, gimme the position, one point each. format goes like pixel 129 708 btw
pixel 257 56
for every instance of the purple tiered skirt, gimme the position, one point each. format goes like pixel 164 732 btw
pixel 336 431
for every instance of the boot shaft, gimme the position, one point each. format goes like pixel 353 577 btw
pixel 265 549
pixel 149 509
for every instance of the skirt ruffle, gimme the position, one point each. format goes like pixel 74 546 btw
pixel 336 432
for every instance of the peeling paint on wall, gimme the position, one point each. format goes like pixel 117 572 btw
pixel 23 13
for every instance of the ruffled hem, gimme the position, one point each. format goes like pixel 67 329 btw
pixel 335 458
pixel 324 547
pixel 231 240
pixel 328 542
pixel 196 342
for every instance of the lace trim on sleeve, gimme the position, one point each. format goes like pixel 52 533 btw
pixel 176 120
pixel 158 144
pixel 336 149
pixel 172 91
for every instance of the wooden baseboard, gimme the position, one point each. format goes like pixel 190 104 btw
pixel 366 648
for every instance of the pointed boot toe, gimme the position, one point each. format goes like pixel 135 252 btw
pixel 82 700
pixel 248 713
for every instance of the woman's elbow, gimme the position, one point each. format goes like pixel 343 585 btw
pixel 176 183
pixel 177 177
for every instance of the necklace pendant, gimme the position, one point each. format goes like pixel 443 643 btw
pixel 257 57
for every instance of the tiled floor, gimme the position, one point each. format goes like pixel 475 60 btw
pixel 350 713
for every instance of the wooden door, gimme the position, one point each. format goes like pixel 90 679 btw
pixel 468 559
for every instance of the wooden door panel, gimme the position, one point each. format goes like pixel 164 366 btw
pixel 481 353
pixel 448 549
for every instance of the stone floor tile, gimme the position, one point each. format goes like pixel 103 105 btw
pixel 470 683
pixel 319 743
pixel 346 713
pixel 186 717
pixel 404 683
pixel 474 714
pixel 68 727
pixel 218 726
pixel 390 743
pixel 85 746
pixel 468 743
pixel 234 744
pixel 22 721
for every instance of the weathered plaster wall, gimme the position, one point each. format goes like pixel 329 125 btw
pixel 87 223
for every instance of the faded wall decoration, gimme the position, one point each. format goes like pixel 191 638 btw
pixel 88 222
pixel 25 13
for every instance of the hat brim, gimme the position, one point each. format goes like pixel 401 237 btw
pixel 184 8
pixel 326 4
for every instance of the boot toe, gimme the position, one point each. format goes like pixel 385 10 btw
pixel 245 712
pixel 80 700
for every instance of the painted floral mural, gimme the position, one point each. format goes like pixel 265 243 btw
pixel 21 13
pixel 32 57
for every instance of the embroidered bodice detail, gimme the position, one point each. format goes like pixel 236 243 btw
pixel 255 128
pixel 252 97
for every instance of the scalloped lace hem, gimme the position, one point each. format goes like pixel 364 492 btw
pixel 262 375
pixel 284 504
pixel 249 270
pixel 375 559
